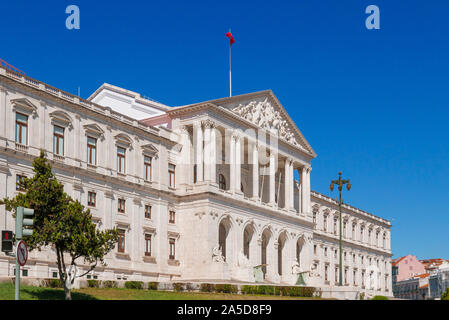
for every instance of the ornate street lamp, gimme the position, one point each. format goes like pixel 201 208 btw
pixel 340 183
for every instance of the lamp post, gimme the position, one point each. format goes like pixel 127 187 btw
pixel 340 183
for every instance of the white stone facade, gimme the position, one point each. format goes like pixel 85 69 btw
pixel 215 202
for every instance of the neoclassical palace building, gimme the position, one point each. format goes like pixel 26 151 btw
pixel 204 192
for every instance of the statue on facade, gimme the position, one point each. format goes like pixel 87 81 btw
pixel 314 270
pixel 296 268
pixel 243 260
pixel 217 254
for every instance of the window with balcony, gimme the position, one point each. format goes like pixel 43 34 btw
pixel 171 175
pixel 58 140
pixel 172 248
pixel 171 218
pixel 121 157
pixel 91 199
pixel 91 151
pixel 121 205
pixel 148 245
pixel 147 165
pixel 121 241
pixel 21 129
pixel 148 211
pixel 19 182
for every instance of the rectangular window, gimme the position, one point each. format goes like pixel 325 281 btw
pixel 92 151
pixel 148 211
pixel 171 243
pixel 325 272
pixel 121 205
pixel 148 244
pixel 21 128
pixel 335 226
pixel 147 165
pixel 195 174
pixel 121 156
pixel 171 218
pixel 91 199
pixel 171 175
pixel 58 140
pixel 121 241
pixel 54 274
pixel 325 224
pixel 19 180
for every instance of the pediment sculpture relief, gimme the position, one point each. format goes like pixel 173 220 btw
pixel 264 115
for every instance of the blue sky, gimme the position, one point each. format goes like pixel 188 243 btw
pixel 372 103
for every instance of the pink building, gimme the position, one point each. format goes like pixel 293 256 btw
pixel 408 267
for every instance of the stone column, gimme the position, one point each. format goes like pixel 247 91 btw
pixel 207 143
pixel 199 151
pixel 255 165
pixel 232 172
pixel 238 164
pixel 292 186
pixel 185 156
pixel 272 173
pixel 308 171
pixel 303 190
pixel 213 155
pixel 287 193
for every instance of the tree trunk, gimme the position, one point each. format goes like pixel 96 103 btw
pixel 68 294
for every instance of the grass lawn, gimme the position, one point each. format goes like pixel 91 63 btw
pixel 38 293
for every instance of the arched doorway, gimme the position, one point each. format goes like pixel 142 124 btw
pixel 266 235
pixel 299 247
pixel 224 239
pixel 248 237
pixel 281 253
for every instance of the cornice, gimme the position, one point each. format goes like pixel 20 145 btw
pixel 64 98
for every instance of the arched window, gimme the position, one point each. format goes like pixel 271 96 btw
pixel 222 182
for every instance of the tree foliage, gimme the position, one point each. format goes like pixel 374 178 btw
pixel 445 295
pixel 61 222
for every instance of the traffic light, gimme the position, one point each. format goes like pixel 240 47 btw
pixel 7 241
pixel 22 212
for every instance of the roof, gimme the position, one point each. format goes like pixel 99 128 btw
pixel 424 286
pixel 422 276
pixel 136 96
pixel 428 263
pixel 396 261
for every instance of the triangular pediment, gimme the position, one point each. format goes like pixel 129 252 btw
pixel 149 149
pixel 94 129
pixel 24 104
pixel 263 110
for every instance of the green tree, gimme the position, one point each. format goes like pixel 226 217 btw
pixel 62 223
pixel 445 295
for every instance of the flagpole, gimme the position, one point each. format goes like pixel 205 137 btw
pixel 230 74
